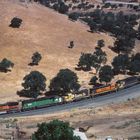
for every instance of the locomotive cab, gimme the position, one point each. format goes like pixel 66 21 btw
pixel 13 107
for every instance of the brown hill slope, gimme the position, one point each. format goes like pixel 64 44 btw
pixel 45 31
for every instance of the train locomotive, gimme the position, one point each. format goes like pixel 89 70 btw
pixel 30 104
pixel 9 107
pixel 12 107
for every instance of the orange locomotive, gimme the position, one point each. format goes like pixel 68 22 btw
pixel 103 89
pixel 9 107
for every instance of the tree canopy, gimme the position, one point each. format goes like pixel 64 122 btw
pixel 34 83
pixel 93 80
pixel 101 56
pixel 63 8
pixel 73 16
pixel 135 63
pixel 88 60
pixel 71 44
pixel 135 66
pixel 85 61
pixel 106 74
pixel 118 24
pixel 138 33
pixel 6 65
pixel 36 58
pixel 66 81
pixel 54 130
pixel 101 43
pixel 121 63
pixel 124 44
pixel 15 22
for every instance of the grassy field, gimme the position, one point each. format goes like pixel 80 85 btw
pixel 48 32
pixel 45 31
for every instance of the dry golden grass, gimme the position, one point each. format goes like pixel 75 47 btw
pixel 45 31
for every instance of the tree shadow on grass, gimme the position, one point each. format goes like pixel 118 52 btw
pixel 24 93
pixel 5 70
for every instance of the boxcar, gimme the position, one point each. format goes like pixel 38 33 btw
pixel 41 102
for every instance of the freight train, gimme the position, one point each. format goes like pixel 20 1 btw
pixel 12 107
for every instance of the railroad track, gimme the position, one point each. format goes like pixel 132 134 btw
pixel 120 96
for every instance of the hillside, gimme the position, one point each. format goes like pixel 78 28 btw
pixel 45 31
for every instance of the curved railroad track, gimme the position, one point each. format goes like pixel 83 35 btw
pixel 120 96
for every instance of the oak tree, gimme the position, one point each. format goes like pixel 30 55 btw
pixel 34 83
pixel 54 130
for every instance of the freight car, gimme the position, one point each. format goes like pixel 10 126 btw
pixel 82 94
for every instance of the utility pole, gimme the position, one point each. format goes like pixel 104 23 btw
pixel 12 137
pixel 17 132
